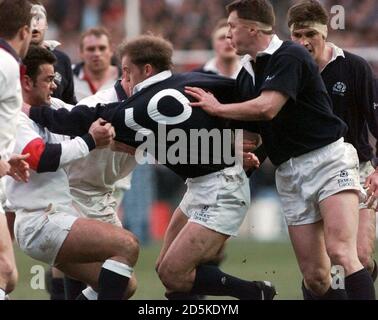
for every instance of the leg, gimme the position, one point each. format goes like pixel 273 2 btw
pixel 178 221
pixel 94 241
pixel 309 247
pixel 340 214
pixel 177 268
pixel 366 238
pixel 8 270
pixel 181 272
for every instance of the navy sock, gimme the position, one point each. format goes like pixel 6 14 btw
pixel 210 280
pixel 113 280
pixel 73 288
pixel 331 294
pixel 57 289
pixel 360 286
pixel 81 297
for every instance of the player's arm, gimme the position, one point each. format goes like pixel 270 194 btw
pixel 263 108
pixel 49 157
pixel 75 122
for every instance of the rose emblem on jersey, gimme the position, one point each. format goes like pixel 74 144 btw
pixel 339 88
pixel 58 78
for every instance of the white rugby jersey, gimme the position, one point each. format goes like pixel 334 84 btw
pixel 10 102
pixel 49 154
pixel 98 173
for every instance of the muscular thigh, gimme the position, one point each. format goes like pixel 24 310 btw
pixel 195 244
pixel 309 246
pixel 90 240
pixel 6 248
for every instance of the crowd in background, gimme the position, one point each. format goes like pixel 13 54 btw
pixel 188 23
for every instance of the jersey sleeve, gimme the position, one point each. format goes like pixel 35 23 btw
pixel 75 122
pixel 285 75
pixel 49 157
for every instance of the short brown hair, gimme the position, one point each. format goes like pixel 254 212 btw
pixel 148 49
pixel 14 14
pixel 97 32
pixel 307 11
pixel 37 56
pixel 256 10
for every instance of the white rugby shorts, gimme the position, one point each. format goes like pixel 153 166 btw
pixel 366 169
pixel 219 201
pixel 101 207
pixel 304 181
pixel 41 234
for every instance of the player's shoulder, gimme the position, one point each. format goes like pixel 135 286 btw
pixel 289 48
pixel 356 61
pixel 9 67
pixel 104 96
pixel 58 104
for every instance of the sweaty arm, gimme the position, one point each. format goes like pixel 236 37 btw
pixel 48 155
pixel 72 123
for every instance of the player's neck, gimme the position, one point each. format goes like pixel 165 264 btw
pixel 227 67
pixel 325 57
pixel 101 76
pixel 16 45
pixel 262 43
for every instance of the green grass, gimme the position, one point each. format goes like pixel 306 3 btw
pixel 247 259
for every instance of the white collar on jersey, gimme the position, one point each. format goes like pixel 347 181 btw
pixel 273 46
pixel 336 52
pixel 152 80
pixel 211 66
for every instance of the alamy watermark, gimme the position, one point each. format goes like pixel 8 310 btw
pixel 337 19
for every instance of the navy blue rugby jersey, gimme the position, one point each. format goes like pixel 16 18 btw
pixel 162 103
pixel 306 122
pixel 350 83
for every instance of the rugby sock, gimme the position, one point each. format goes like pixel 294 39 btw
pixel 360 286
pixel 2 294
pixel 72 288
pixel 113 280
pixel 331 294
pixel 374 272
pixel 210 280
pixel 57 289
pixel 181 296
pixel 81 296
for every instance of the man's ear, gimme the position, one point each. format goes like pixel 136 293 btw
pixel 24 32
pixel 27 83
pixel 148 70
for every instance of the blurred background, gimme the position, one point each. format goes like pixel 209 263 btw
pixel 262 250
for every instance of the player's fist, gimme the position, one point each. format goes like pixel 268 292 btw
pixel 102 133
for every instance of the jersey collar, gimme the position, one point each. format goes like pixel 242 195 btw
pixel 336 52
pixel 7 47
pixel 152 80
pixel 273 46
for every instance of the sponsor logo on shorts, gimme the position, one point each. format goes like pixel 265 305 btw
pixel 202 215
pixel 345 181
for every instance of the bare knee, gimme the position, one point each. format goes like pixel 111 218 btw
pixel 172 279
pixel 128 248
pixel 317 279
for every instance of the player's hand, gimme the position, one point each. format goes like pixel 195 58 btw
pixel 102 132
pixel 19 168
pixel 371 186
pixel 250 161
pixel 206 100
pixel 122 147
pixel 4 168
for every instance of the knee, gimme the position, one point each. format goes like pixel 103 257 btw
pixel 317 279
pixel 339 255
pixel 129 248
pixel 170 277
pixel 8 274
